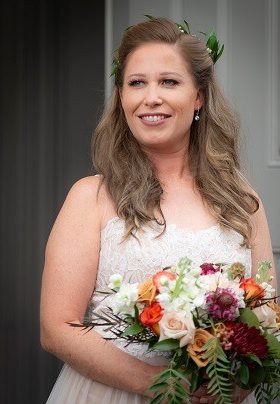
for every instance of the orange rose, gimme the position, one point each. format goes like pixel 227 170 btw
pixel 253 291
pixel 146 292
pixel 151 315
pixel 196 349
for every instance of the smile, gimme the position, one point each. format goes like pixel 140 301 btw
pixel 153 118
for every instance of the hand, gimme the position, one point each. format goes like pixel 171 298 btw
pixel 201 395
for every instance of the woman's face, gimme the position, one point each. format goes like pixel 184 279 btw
pixel 159 97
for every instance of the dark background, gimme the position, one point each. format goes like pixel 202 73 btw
pixel 52 92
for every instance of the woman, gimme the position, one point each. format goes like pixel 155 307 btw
pixel 170 186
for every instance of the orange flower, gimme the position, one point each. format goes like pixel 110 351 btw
pixel 151 315
pixel 253 291
pixel 147 292
pixel 196 350
pixel 156 329
pixel 162 276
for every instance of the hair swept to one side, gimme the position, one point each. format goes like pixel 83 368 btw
pixel 128 174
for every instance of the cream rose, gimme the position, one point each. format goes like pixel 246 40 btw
pixel 266 316
pixel 177 325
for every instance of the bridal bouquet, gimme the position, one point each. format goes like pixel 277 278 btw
pixel 216 324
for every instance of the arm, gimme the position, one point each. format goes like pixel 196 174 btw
pixel 70 271
pixel 261 242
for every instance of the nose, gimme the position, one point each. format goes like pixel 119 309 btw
pixel 152 96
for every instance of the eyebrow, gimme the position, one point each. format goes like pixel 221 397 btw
pixel 161 74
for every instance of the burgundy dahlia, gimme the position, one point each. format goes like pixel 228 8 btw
pixel 222 304
pixel 248 340
pixel 208 269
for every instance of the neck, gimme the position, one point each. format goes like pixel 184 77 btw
pixel 170 166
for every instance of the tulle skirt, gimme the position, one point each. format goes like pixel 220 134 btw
pixel 73 388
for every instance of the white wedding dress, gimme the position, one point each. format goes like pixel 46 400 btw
pixel 137 261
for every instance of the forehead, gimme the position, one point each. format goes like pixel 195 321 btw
pixel 152 57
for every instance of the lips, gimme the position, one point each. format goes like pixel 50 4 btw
pixel 155 117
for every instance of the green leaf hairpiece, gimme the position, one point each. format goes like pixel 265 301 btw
pixel 212 43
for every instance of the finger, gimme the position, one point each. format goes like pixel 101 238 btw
pixel 203 399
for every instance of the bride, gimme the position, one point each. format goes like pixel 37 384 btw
pixel 169 185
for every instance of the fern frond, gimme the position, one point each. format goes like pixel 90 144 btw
pixel 218 370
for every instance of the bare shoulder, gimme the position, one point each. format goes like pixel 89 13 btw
pixel 80 214
pixel 86 188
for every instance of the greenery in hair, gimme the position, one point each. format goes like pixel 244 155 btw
pixel 213 45
pixel 211 41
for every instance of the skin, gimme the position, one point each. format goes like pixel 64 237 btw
pixel 72 251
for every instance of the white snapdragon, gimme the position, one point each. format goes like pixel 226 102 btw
pixel 126 298
pixel 115 281
pixel 180 303
pixel 164 299
pixel 268 290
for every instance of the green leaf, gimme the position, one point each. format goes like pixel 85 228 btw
pixel 249 318
pixel 157 399
pixel 166 345
pixel 244 373
pixel 219 54
pixel 180 375
pixel 254 358
pixel 157 386
pixel 273 346
pixel 136 312
pixel 150 17
pixel 133 329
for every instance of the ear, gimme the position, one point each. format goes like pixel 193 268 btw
pixel 199 100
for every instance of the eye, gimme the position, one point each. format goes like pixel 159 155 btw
pixel 170 82
pixel 136 83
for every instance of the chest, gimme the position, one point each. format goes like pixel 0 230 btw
pixel 138 259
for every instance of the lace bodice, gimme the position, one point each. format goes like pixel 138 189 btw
pixel 139 259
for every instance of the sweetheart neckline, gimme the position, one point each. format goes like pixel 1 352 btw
pixel 171 226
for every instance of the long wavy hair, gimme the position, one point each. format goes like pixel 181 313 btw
pixel 128 174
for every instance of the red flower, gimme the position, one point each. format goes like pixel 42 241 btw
pixel 222 304
pixel 247 340
pixel 208 269
pixel 151 315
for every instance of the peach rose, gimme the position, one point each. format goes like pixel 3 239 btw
pixel 146 292
pixel 196 349
pixel 253 291
pixel 177 325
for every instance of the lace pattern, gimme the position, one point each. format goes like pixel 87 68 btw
pixel 139 259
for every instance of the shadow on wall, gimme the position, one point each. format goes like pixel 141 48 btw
pixel 52 94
